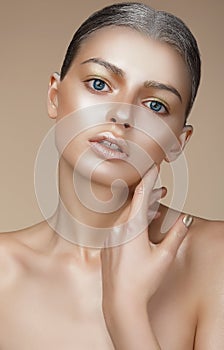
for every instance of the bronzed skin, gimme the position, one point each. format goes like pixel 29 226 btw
pixel 51 290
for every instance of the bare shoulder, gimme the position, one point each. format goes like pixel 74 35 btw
pixel 205 257
pixel 11 251
pixel 206 239
pixel 18 247
pixel 205 266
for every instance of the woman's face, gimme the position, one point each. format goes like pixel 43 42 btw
pixel 124 66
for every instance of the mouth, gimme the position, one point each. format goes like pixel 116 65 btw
pixel 107 146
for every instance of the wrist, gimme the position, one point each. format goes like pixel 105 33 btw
pixel 119 311
pixel 131 330
pixel 125 301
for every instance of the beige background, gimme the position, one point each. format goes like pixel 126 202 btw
pixel 33 38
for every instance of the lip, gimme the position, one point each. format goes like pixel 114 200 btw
pixel 106 152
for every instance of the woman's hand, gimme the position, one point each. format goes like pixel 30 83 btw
pixel 133 271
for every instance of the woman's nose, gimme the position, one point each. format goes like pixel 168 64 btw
pixel 121 113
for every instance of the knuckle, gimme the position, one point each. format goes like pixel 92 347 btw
pixel 179 234
pixel 166 255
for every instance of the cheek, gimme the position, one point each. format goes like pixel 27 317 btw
pixel 159 137
pixel 156 152
pixel 150 145
pixel 67 102
pixel 71 99
pixel 73 151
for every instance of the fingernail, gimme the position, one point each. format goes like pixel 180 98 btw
pixel 187 220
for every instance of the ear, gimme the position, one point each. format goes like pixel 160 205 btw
pixel 183 139
pixel 52 98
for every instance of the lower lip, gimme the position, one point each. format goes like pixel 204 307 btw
pixel 105 152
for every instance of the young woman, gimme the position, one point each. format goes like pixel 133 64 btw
pixel 100 273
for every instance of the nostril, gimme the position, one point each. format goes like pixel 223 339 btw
pixel 114 120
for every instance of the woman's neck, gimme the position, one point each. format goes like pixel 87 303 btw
pixel 88 211
pixel 76 220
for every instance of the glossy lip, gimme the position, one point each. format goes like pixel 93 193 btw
pixel 106 152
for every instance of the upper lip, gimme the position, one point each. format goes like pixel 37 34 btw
pixel 121 143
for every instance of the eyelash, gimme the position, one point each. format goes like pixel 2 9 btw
pixel 90 85
pixel 161 105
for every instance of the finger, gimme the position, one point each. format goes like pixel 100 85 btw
pixel 162 191
pixel 143 191
pixel 153 215
pixel 154 204
pixel 157 215
pixel 152 211
pixel 137 224
pixel 169 246
pixel 156 195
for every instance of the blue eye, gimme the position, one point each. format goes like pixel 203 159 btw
pixel 156 106
pixel 98 85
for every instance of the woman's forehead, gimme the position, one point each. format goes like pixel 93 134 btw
pixel 137 55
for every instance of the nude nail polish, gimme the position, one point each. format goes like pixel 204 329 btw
pixel 187 220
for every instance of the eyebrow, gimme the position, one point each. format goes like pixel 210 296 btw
pixel 118 71
pixel 161 86
pixel 109 66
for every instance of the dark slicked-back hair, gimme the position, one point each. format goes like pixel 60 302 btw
pixel 159 25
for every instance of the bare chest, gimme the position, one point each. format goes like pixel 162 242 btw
pixel 50 313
